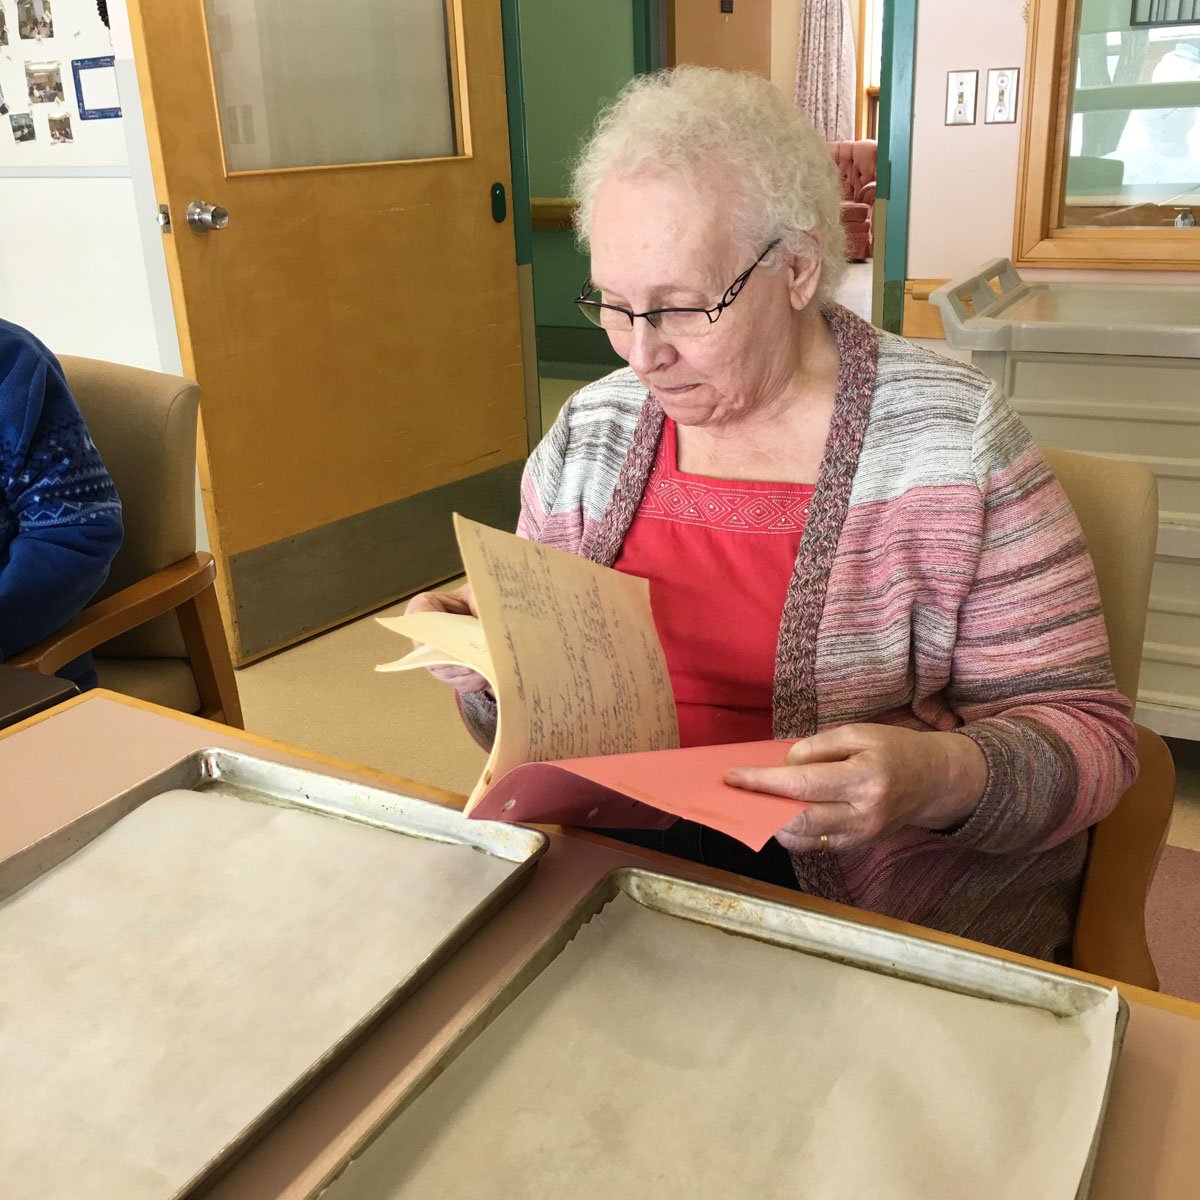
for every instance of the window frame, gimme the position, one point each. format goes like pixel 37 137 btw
pixel 1151 22
pixel 1039 238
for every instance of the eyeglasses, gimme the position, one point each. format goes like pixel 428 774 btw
pixel 672 322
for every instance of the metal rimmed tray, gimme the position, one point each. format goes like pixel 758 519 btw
pixel 404 1137
pixel 165 1038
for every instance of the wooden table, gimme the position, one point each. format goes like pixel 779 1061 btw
pixel 59 765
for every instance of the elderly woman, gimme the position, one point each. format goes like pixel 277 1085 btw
pixel 849 540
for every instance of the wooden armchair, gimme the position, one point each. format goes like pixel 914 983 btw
pixel 155 628
pixel 1117 506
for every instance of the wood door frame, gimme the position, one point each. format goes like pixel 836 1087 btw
pixel 1039 238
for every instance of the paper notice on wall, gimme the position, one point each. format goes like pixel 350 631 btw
pixel 98 88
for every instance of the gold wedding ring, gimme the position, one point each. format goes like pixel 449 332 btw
pixel 824 843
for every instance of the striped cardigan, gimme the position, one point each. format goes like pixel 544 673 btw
pixel 942 584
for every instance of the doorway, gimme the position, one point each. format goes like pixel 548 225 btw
pixel 573 57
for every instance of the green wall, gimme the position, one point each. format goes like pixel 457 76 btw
pixel 575 54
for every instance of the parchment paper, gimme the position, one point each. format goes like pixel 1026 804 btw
pixel 659 1058
pixel 162 987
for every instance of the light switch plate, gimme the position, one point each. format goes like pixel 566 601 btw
pixel 961 87
pixel 1000 107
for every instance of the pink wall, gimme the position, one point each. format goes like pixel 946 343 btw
pixel 964 177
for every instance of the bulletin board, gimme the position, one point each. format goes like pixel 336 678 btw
pixel 59 104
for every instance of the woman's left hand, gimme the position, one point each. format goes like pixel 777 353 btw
pixel 864 782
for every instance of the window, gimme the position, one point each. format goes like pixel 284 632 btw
pixel 1164 12
pixel 1110 168
pixel 870 65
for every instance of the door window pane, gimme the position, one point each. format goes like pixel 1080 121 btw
pixel 1133 157
pixel 303 83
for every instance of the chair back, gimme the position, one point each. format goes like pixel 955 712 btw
pixel 144 426
pixel 856 164
pixel 1117 506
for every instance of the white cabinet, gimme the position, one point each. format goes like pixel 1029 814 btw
pixel 1112 369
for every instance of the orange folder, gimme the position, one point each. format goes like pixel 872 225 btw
pixel 647 790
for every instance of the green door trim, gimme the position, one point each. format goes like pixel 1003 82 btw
pixel 647 36
pixel 518 152
pixel 894 173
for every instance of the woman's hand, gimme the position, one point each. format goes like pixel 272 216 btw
pixel 460 600
pixel 864 782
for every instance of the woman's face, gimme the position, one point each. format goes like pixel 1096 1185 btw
pixel 656 243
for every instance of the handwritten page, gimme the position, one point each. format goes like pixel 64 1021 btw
pixel 569 647
pixel 579 669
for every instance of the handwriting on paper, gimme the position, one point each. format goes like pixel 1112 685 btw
pixel 578 666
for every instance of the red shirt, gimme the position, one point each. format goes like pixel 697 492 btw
pixel 719 555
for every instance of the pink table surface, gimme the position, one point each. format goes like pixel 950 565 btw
pixel 61 765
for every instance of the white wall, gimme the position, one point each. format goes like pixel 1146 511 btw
pixel 71 267
pixel 81 259
pixel 72 250
pixel 964 177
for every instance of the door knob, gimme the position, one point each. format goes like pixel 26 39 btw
pixel 203 217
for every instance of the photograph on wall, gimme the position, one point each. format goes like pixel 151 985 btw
pixel 3 104
pixel 3 28
pixel 34 21
pixel 22 127
pixel 44 81
pixel 60 130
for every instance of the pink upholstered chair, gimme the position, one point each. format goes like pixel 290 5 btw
pixel 856 166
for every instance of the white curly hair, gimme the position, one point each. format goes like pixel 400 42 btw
pixel 699 122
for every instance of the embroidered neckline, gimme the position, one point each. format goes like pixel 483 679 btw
pixel 737 505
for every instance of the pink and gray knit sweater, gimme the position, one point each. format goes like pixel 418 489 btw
pixel 942 584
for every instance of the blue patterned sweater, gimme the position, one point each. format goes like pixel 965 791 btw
pixel 60 516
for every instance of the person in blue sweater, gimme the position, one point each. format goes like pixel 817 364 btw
pixel 60 516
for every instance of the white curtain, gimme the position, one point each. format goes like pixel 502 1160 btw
pixel 826 74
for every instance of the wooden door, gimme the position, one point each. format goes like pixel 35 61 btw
pixel 354 328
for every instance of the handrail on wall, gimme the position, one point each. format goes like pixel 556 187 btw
pixel 552 212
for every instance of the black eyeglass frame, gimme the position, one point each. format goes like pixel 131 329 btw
pixel 653 317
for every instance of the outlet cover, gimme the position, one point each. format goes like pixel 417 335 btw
pixel 1000 107
pixel 961 87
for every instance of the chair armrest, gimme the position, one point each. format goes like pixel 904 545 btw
pixel 866 193
pixel 151 597
pixel 1110 928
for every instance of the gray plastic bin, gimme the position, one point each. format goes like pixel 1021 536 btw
pixel 1110 369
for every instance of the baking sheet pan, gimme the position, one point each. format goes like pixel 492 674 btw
pixel 179 964
pixel 582 1075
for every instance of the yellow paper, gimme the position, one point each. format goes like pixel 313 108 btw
pixel 569 647
pixel 451 639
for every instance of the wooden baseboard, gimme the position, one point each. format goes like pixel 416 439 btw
pixel 922 319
